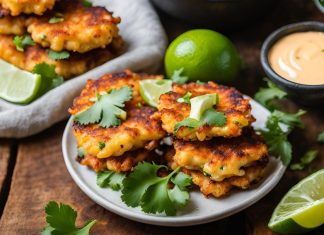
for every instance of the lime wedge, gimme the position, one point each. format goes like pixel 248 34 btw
pixel 200 104
pixel 302 208
pixel 16 85
pixel 151 90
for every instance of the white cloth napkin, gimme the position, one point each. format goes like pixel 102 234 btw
pixel 146 42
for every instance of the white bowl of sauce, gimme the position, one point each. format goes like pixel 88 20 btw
pixel 293 58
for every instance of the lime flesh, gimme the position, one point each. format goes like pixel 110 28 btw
pixel 302 208
pixel 16 85
pixel 151 90
pixel 200 104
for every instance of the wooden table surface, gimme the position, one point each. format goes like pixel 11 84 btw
pixel 32 170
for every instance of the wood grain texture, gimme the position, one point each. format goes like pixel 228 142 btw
pixel 40 176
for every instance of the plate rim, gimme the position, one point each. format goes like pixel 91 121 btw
pixel 173 221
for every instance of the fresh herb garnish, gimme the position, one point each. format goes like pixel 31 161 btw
pixel 50 79
pixel 200 82
pixel 61 219
pixel 210 117
pixel 54 55
pixel 143 187
pixel 265 96
pixel 111 179
pixel 43 37
pixel 276 135
pixel 107 108
pixel 55 20
pixel 185 98
pixel 102 145
pixel 178 78
pixel 320 138
pixel 87 3
pixel 22 41
pixel 305 160
pixel 81 153
pixel 322 3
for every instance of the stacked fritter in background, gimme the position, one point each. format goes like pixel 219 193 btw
pixel 217 157
pixel 88 33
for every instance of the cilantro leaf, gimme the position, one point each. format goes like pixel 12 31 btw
pixel 87 3
pixel 291 120
pixel 321 2
pixel 144 188
pixel 81 153
pixel 213 118
pixel 54 55
pixel 178 78
pixel 305 160
pixel 185 98
pixel 61 219
pixel 50 79
pixel 110 179
pixel 210 117
pixel 320 138
pixel 22 41
pixel 55 20
pixel 107 108
pixel 265 95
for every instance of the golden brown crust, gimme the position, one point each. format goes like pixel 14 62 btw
pixel 137 131
pixel 17 7
pixel 83 28
pixel 13 25
pixel 231 102
pixel 221 158
pixel 73 66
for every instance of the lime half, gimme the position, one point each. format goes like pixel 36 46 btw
pixel 302 208
pixel 16 85
pixel 200 104
pixel 151 90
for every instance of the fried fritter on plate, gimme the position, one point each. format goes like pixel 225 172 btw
pixel 16 7
pixel 236 109
pixel 82 28
pixel 13 25
pixel 139 130
pixel 221 158
pixel 75 65
pixel 124 163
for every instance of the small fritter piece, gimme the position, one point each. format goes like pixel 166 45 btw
pixel 82 29
pixel 139 130
pixel 124 163
pixel 231 102
pixel 16 7
pixel 75 65
pixel 221 158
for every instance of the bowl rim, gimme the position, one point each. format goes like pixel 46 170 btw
pixel 275 36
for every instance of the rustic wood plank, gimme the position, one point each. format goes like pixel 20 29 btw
pixel 4 160
pixel 40 176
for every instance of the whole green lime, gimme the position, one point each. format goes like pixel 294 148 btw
pixel 203 55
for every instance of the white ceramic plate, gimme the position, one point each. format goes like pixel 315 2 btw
pixel 199 209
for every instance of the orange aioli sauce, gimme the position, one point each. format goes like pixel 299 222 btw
pixel 299 57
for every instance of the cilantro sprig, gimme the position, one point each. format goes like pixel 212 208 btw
pixel 107 108
pixel 210 117
pixel 305 160
pixel 265 96
pixel 144 188
pixel 87 3
pixel 320 138
pixel 54 55
pixel 22 41
pixel 61 219
pixel 178 78
pixel 55 20
pixel 185 98
pixel 111 179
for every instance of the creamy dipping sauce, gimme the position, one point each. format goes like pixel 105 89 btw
pixel 299 57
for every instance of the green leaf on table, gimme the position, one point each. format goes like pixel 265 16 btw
pixel 265 96
pixel 178 78
pixel 144 188
pixel 22 41
pixel 305 160
pixel 292 120
pixel 107 108
pixel 61 220
pixel 111 179
pixel 54 55
pixel 320 138
pixel 185 98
